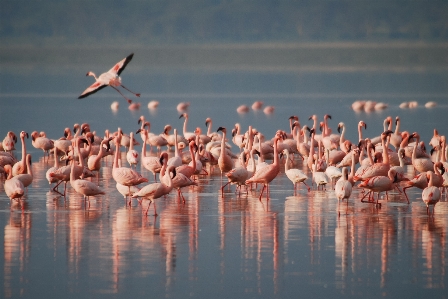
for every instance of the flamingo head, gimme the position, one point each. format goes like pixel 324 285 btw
pixel 34 135
pixel 24 134
pixel 362 124
pixel 221 129
pixel 208 121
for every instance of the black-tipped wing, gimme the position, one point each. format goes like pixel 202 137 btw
pixel 92 89
pixel 119 66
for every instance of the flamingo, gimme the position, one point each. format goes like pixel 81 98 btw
pixel 431 194
pixel 156 190
pixel 42 143
pixel 110 78
pixel 295 175
pixel 177 159
pixel 14 188
pixel 9 142
pixel 132 155
pixel 123 175
pixel 81 186
pixel 225 162
pixel 187 135
pixel 420 164
pixel 380 183
pixel 126 190
pixel 20 166
pixel 178 182
pixel 26 178
pixel 94 161
pixel 268 173
pixel 343 187
pixel 237 175
pixel 396 137
pixel 377 169
pixel 153 164
pixel 188 170
pixel 49 178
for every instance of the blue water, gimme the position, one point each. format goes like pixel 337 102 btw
pixel 219 246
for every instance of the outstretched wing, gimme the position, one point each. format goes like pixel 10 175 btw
pixel 92 89
pixel 119 66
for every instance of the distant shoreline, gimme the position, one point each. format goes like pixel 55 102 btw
pixel 289 57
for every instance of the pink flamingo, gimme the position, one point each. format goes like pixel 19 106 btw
pixel 225 162
pixel 156 190
pixel 14 188
pixel 377 169
pixel 420 164
pixel 188 170
pixel 295 175
pixel 84 187
pixel 132 155
pixel 26 178
pixel 266 174
pixel 20 166
pixel 110 78
pixel 9 142
pixel 431 194
pixel 151 163
pixel 380 184
pixel 343 187
pixel 123 175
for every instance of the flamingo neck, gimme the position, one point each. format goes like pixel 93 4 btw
pixel 385 153
pixel 117 153
pixel 176 147
pixel 287 161
pixel 360 133
pixel 28 165
pixel 275 162
pixel 185 124
pixel 342 137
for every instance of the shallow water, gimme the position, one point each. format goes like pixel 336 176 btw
pixel 214 245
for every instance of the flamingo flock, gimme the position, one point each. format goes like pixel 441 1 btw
pixel 326 162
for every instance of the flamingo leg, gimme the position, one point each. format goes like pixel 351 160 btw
pixel 146 212
pixel 261 193
pixel 128 100
pixel 136 94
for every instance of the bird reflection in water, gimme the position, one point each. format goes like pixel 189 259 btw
pixel 17 251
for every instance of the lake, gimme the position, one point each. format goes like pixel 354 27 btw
pixel 213 244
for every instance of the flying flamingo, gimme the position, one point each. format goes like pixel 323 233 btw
pixel 431 194
pixel 110 78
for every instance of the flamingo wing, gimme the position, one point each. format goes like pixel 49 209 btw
pixel 119 66
pixel 92 89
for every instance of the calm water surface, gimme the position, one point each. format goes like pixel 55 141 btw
pixel 214 245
